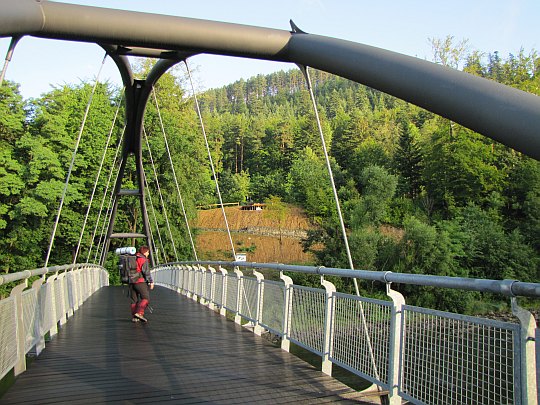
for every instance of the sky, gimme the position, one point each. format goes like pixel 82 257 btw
pixel 403 26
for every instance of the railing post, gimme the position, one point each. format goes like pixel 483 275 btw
pixel 181 279
pixel 239 290
pixel 260 295
pixel 194 287
pixel 211 304
pixel 16 293
pixel 222 310
pixel 328 326
pixel 285 341
pixel 189 293
pixel 528 354
pixel 396 326
pixel 202 285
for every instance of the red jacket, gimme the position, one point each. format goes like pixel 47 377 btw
pixel 144 269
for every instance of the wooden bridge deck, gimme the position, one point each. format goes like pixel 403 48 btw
pixel 185 354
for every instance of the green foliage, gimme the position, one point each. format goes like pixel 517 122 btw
pixel 234 187
pixel 523 200
pixel 309 184
pixel 378 188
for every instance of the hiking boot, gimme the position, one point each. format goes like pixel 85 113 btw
pixel 141 317
pixel 134 319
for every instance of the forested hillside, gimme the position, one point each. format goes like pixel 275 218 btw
pixel 420 194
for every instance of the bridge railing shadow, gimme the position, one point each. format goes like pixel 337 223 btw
pixel 416 354
pixel 33 312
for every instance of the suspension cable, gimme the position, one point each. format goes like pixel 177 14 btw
pixel 105 193
pixel 155 218
pixel 153 243
pixel 174 177
pixel 108 213
pixel 210 160
pixel 97 178
pixel 160 194
pixel 329 168
pixel 64 192
pixel 304 70
pixel 9 55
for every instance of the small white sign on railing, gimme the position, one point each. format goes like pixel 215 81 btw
pixel 241 257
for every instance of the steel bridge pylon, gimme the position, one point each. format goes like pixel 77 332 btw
pixel 137 93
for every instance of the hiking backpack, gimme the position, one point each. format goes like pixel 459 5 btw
pixel 128 268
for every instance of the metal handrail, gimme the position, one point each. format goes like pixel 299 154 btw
pixel 25 274
pixel 509 288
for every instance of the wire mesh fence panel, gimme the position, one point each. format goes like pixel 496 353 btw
pixel 58 299
pixel 197 288
pixel 84 285
pixel 8 336
pixel 71 294
pixel 178 276
pixel 207 286
pixel 456 359
pixel 182 279
pixel 361 338
pixel 161 276
pixel 167 276
pixel 190 280
pixel 273 306
pixel 30 311
pixel 231 295
pixel 45 298
pixel 218 289
pixel 67 285
pixel 248 295
pixel 202 284
pixel 307 318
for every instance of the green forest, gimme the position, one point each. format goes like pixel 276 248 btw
pixel 419 193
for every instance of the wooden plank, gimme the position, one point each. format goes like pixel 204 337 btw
pixel 184 354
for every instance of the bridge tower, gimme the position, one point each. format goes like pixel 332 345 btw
pixel 137 93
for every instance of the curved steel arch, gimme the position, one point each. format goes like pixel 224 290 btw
pixel 504 114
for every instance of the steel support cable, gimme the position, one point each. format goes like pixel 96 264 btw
pixel 151 234
pixel 155 217
pixel 64 192
pixel 97 179
pixel 9 55
pixel 174 177
pixel 105 193
pixel 304 70
pixel 210 160
pixel 106 218
pixel 160 195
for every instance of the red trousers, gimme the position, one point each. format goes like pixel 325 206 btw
pixel 140 297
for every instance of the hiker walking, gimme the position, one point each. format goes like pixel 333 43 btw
pixel 138 287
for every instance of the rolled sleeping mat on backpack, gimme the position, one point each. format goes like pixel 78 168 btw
pixel 126 251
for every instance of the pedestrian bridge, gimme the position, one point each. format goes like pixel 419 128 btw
pixel 203 341
pixel 185 354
